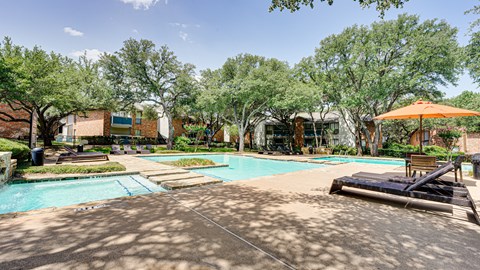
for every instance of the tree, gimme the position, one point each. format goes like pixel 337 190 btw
pixel 320 97
pixel 48 85
pixel 206 107
pixel 294 5
pixel 244 90
pixel 141 73
pixel 372 68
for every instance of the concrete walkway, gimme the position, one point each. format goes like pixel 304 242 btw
pixel 287 221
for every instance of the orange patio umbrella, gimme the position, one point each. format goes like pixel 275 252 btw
pixel 425 109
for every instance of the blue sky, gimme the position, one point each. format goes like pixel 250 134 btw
pixel 205 32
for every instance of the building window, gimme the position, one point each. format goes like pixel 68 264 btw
pixel 138 118
pixel 335 127
pixel 60 130
pixel 138 132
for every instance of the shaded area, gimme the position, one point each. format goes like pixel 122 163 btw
pixel 308 230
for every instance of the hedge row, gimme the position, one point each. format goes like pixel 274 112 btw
pixel 109 140
pixel 19 151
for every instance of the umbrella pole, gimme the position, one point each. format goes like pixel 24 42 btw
pixel 421 134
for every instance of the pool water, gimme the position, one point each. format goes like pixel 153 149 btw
pixel 241 167
pixel 30 196
pixel 395 162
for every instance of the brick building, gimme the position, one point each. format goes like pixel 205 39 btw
pixel 468 143
pixel 105 123
pixel 14 130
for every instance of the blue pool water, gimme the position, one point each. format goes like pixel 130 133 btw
pixel 30 196
pixel 395 162
pixel 240 167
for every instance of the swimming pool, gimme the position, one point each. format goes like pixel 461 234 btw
pixel 30 196
pixel 395 162
pixel 241 167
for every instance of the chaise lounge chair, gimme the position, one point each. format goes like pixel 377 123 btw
pixel 142 150
pixel 128 149
pixel 426 187
pixel 116 150
pixel 80 157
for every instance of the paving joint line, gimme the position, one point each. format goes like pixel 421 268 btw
pixel 289 266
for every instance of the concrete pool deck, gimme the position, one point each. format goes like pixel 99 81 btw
pixel 276 222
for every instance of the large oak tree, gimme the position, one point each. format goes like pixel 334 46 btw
pixel 139 72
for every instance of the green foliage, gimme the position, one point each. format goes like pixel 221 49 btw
pixel 50 85
pixel 181 142
pixel 370 68
pixel 149 113
pixel 140 72
pixel 67 169
pixel 400 151
pixel 105 150
pixel 294 5
pixel 242 89
pixel 190 162
pixel 19 151
pixel 344 149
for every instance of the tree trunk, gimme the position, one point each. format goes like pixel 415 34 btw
pixel 241 138
pixel 376 139
pixel 170 132
pixel 358 138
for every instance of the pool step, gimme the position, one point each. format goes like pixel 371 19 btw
pixel 173 177
pixel 163 172
pixel 193 182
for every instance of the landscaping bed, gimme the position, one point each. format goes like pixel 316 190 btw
pixel 190 162
pixel 25 168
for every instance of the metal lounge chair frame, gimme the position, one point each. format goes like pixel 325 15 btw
pixel 426 187
pixel 141 150
pixel 81 157
pixel 128 149
pixel 116 150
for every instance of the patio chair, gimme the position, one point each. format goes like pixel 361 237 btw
pixel 261 150
pixel 80 157
pixel 127 148
pixel 116 150
pixel 149 147
pixel 142 150
pixel 426 187
pixel 422 163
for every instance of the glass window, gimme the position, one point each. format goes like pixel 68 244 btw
pixel 138 118
pixel 138 132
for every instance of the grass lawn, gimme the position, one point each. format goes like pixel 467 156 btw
pixel 189 162
pixel 26 168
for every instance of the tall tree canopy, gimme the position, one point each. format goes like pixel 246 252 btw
pixel 294 5
pixel 371 68
pixel 244 89
pixel 48 85
pixel 140 72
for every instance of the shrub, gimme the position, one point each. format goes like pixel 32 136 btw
pixel 190 162
pixel 181 142
pixel 105 150
pixel 19 151
pixel 64 169
pixel 345 149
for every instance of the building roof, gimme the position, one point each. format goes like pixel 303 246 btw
pixel 329 117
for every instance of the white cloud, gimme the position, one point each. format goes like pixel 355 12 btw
pixel 184 25
pixel 92 54
pixel 183 36
pixel 138 4
pixel 72 32
pixel 135 31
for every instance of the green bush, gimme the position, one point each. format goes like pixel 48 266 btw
pixel 19 151
pixel 105 150
pixel 190 162
pixel 181 142
pixel 345 149
pixel 400 151
pixel 64 169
